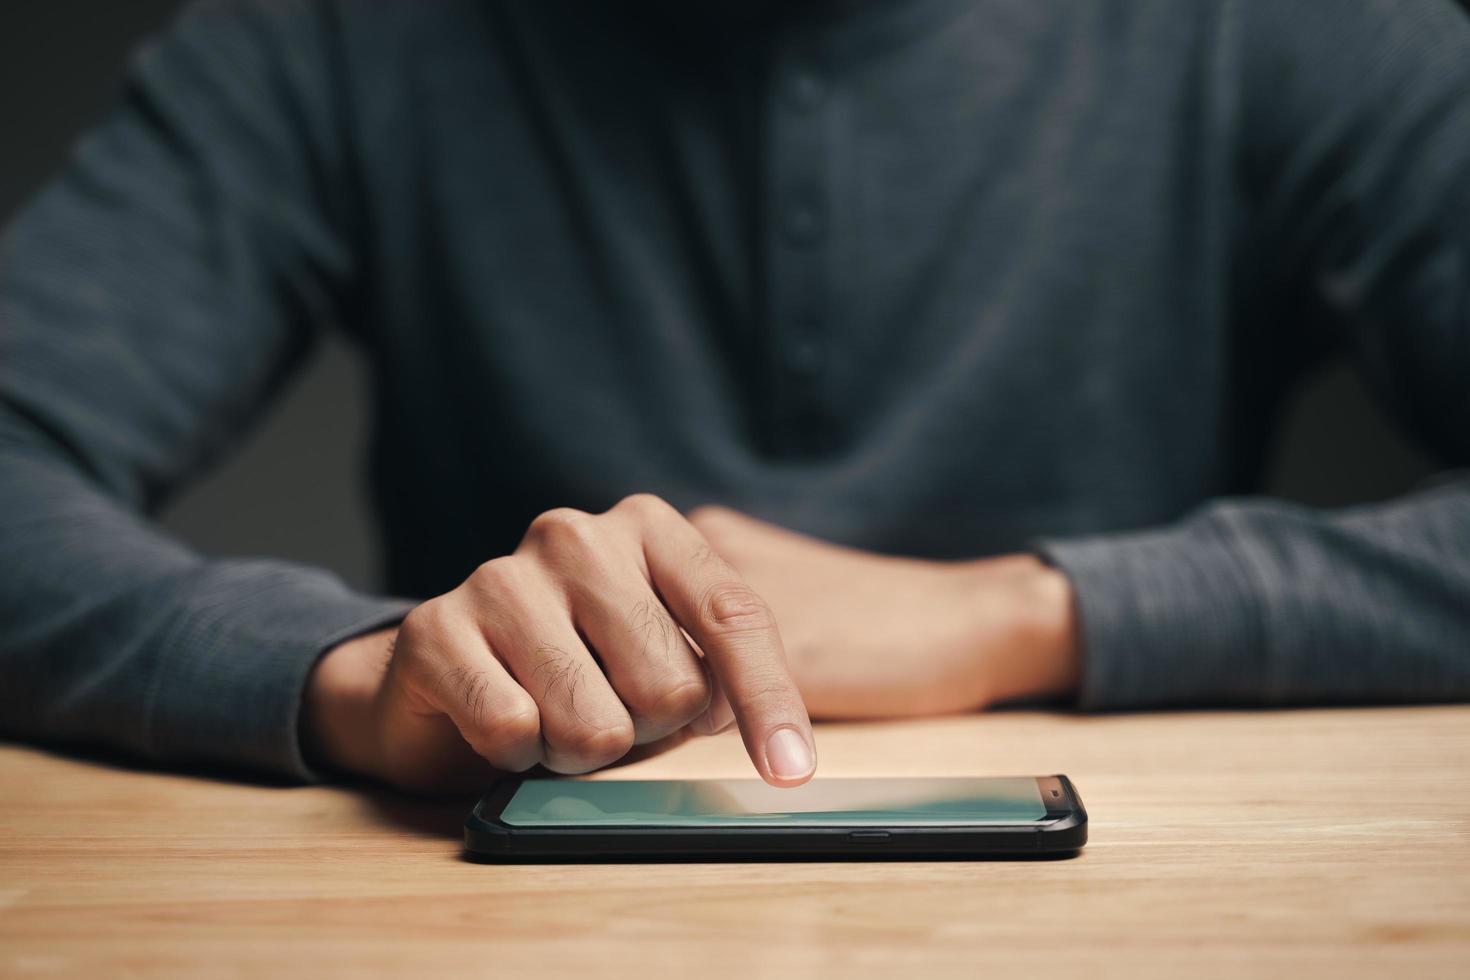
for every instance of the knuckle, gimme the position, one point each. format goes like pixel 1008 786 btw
pixel 644 505
pixel 711 518
pixel 424 622
pixel 563 527
pixel 734 607
pixel 598 746
pixel 678 701
pixel 769 692
pixel 512 728
pixel 496 576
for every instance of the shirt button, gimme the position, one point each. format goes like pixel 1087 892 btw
pixel 805 89
pixel 805 357
pixel 803 220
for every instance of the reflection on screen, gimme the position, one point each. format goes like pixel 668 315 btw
pixel 750 802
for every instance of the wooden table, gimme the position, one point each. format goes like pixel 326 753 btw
pixel 1310 843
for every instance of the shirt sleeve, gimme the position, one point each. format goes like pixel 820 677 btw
pixel 1355 166
pixel 151 300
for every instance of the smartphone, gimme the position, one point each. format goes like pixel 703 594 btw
pixel 532 820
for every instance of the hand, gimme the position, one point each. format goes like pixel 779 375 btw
pixel 873 636
pixel 566 654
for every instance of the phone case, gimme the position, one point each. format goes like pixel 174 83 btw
pixel 489 840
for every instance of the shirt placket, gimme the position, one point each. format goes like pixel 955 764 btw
pixel 798 229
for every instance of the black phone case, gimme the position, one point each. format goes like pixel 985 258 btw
pixel 487 839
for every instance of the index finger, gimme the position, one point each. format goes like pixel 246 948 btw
pixel 737 632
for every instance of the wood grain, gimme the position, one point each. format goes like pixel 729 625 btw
pixel 1308 843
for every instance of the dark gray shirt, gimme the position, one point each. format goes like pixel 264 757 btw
pixel 935 277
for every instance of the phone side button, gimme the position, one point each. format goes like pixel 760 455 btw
pixel 868 836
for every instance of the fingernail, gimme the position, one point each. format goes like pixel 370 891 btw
pixel 789 755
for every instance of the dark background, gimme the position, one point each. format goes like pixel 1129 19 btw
pixel 293 491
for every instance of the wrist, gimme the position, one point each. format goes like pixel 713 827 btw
pixel 338 726
pixel 1039 653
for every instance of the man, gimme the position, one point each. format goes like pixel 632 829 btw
pixel 1013 288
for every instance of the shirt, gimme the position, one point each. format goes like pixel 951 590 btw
pixel 933 277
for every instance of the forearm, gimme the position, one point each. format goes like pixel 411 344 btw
pixel 1262 602
pixel 116 635
pixel 1354 179
pixel 151 300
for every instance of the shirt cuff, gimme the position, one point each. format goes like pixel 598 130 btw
pixel 232 675
pixel 1167 617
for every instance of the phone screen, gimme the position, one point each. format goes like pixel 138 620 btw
pixel 750 802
